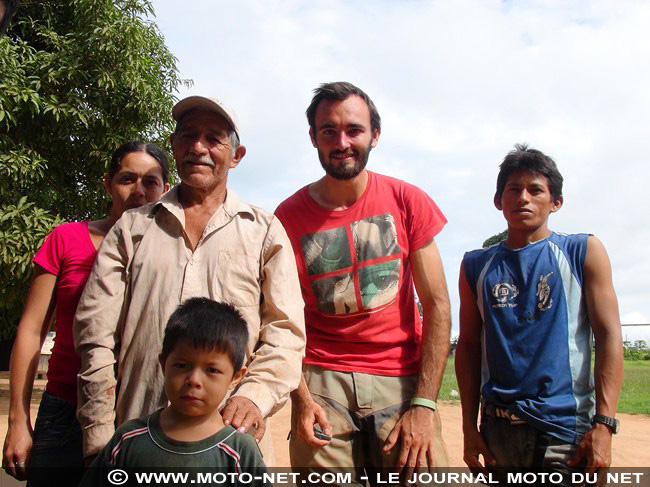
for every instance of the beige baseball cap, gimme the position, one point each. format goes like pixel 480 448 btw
pixel 206 103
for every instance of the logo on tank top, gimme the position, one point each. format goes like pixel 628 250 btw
pixel 504 293
pixel 545 301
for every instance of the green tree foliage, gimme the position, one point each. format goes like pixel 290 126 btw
pixel 77 79
pixel 495 239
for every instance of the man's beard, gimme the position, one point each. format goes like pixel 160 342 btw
pixel 344 172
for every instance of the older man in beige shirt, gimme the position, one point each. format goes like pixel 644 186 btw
pixel 199 240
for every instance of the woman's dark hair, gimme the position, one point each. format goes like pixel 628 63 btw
pixel 139 146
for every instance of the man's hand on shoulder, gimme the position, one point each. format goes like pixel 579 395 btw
pixel 242 413
pixel 417 427
pixel 596 447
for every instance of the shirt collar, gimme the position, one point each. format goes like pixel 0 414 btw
pixel 232 206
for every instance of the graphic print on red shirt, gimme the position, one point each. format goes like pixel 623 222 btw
pixel 355 268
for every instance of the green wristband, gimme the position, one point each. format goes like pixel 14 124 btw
pixel 427 403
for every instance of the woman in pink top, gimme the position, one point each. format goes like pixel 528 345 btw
pixel 138 174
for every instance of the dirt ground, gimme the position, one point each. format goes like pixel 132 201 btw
pixel 630 446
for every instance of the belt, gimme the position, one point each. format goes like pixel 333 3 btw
pixel 490 409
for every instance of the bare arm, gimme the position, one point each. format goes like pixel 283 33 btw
pixel 32 329
pixel 602 307
pixel 468 373
pixel 431 287
pixel 415 426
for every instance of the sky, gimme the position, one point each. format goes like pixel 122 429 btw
pixel 457 84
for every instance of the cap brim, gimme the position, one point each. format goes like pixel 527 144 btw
pixel 203 103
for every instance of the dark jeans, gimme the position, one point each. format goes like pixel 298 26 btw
pixel 57 443
pixel 521 448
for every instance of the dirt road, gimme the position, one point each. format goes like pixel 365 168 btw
pixel 630 446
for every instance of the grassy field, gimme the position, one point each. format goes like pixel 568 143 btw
pixel 635 397
pixel 449 382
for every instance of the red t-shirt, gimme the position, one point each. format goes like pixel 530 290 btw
pixel 69 254
pixel 355 275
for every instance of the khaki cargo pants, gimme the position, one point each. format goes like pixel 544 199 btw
pixel 362 410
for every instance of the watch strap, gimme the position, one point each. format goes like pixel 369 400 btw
pixel 612 423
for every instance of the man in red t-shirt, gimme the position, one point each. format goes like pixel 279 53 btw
pixel 362 240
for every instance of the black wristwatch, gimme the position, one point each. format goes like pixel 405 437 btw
pixel 613 424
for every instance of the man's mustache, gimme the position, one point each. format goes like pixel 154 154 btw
pixel 201 160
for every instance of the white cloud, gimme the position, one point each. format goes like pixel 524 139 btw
pixel 457 84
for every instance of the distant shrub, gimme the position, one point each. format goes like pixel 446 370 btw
pixel 636 351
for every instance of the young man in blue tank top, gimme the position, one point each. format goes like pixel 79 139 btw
pixel 529 307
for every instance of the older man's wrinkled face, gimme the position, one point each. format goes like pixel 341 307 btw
pixel 203 150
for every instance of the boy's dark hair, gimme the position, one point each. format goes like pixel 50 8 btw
pixel 208 325
pixel 531 160
pixel 339 91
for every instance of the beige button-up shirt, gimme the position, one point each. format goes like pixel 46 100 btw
pixel 145 268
